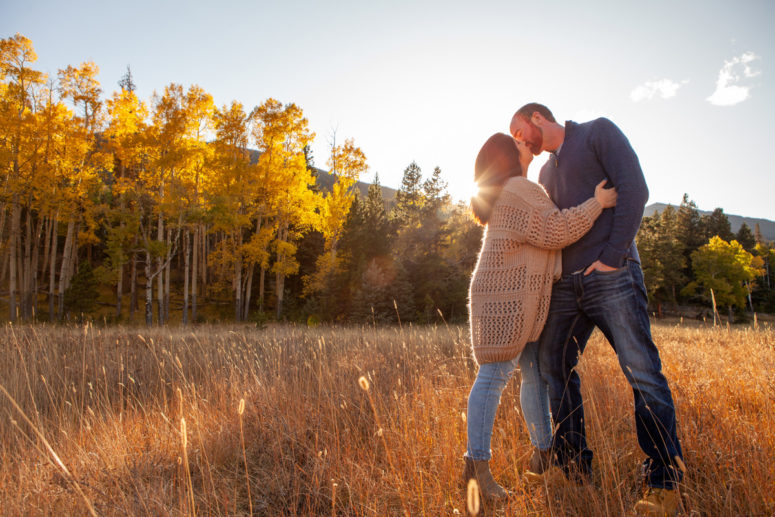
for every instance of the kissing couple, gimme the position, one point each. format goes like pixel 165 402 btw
pixel 558 259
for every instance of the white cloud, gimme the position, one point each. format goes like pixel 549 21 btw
pixel 665 88
pixel 728 90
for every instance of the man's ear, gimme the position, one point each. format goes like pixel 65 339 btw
pixel 537 119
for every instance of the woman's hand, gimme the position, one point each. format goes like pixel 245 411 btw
pixel 605 196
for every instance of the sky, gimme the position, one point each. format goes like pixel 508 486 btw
pixel 690 83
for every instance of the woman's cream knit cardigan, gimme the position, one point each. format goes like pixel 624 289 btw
pixel 520 258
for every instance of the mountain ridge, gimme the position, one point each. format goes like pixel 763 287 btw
pixel 326 181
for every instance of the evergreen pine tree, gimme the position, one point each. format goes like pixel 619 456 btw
pixel 717 224
pixel 81 297
pixel 689 231
pixel 746 237
pixel 409 198
pixel 757 234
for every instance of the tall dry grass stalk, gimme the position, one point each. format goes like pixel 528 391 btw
pixel 122 406
pixel 240 412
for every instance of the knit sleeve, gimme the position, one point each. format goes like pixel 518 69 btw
pixel 528 215
pixel 622 168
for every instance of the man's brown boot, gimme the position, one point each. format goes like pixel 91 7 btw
pixel 659 502
pixel 539 463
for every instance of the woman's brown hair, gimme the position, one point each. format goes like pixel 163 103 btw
pixel 497 161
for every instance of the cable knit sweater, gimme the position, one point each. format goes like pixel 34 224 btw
pixel 520 258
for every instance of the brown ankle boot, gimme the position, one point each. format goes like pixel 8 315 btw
pixel 480 470
pixel 540 461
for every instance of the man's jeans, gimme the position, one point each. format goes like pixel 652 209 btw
pixel 616 303
pixel 485 397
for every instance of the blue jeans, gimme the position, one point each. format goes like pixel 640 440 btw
pixel 485 397
pixel 616 303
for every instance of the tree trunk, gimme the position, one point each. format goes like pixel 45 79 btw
pixel 167 275
pixel 20 277
pixel 160 277
pixel 282 236
pixel 12 242
pixel 52 269
pixel 2 220
pixel 39 233
pixel 119 290
pixel 194 272
pixel 148 290
pixel 4 258
pixel 279 288
pixel 237 284
pixel 186 251
pixel 247 292
pixel 67 257
pixel 26 273
pixel 261 288
pixel 46 245
pixel 205 250
pixel 133 284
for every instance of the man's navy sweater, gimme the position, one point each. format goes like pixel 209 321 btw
pixel 591 152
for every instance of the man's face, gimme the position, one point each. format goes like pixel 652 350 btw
pixel 525 131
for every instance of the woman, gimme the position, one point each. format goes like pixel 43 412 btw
pixel 509 296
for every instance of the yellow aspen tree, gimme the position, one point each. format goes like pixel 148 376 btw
pixel 127 122
pixel 346 164
pixel 232 191
pixel 79 85
pixel 727 269
pixel 20 86
pixel 281 133
pixel 53 120
pixel 199 109
pixel 161 181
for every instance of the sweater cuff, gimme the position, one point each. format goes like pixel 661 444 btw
pixel 592 208
pixel 612 256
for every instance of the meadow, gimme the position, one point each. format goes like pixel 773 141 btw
pixel 290 420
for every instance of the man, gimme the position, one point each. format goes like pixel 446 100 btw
pixel 602 285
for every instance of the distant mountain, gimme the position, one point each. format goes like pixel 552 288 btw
pixel 326 181
pixel 766 226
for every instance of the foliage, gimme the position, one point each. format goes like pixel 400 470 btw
pixel 81 296
pixel 662 255
pixel 727 269
pixel 746 237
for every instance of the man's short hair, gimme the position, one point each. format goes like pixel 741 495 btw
pixel 527 111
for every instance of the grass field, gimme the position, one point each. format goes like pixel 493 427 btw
pixel 238 420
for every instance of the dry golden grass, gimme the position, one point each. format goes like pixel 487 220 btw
pixel 311 438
